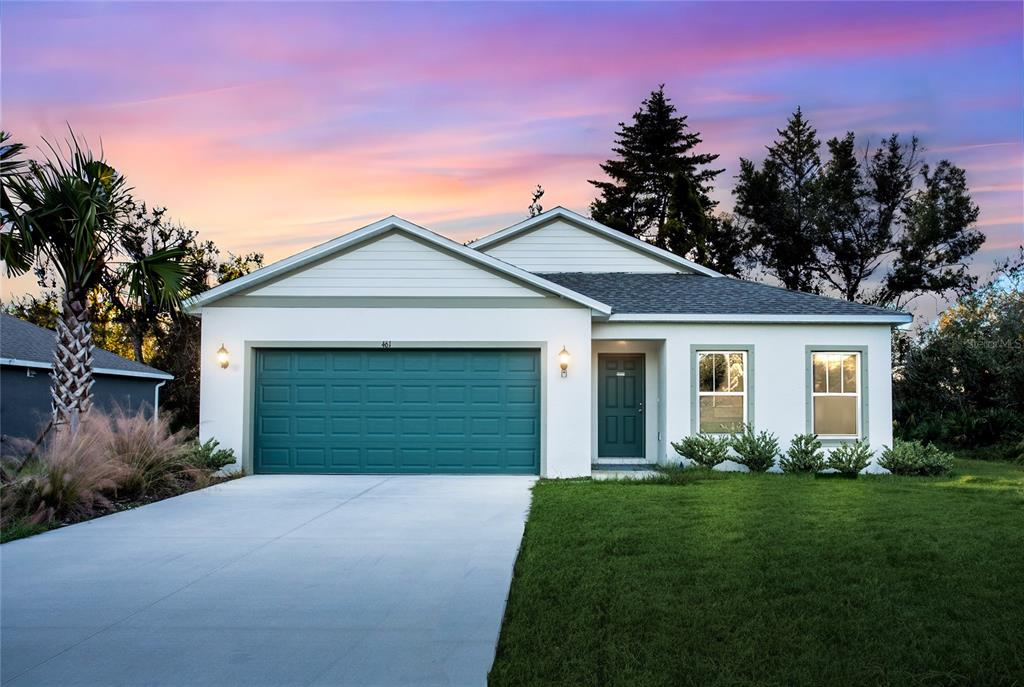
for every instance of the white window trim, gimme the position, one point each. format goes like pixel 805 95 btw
pixel 856 395
pixel 702 394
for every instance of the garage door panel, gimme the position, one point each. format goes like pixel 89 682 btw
pixel 397 411
pixel 345 459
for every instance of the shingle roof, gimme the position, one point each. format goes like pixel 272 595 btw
pixel 694 294
pixel 21 340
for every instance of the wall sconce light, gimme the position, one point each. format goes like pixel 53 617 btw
pixel 563 361
pixel 222 357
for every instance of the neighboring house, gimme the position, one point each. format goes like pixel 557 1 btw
pixel 393 349
pixel 26 355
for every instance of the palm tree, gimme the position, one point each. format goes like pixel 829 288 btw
pixel 64 215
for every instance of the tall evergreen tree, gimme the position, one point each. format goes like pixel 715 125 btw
pixel 779 200
pixel 655 157
pixel 715 241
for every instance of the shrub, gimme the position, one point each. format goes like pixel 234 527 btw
pixel 151 455
pixel 207 456
pixel 915 458
pixel 804 454
pixel 756 451
pixel 703 449
pixel 850 458
pixel 64 482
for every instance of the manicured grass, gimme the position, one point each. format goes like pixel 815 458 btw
pixel 713 579
pixel 19 529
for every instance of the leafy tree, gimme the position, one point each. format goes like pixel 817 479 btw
pixel 238 266
pixel 937 239
pixel 959 382
pixel 65 214
pixel 134 297
pixel 535 207
pixel 178 347
pixel 655 159
pixel 42 311
pixel 853 220
pixel 779 201
pixel 857 209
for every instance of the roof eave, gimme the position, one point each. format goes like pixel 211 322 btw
pixel 39 365
pixel 893 319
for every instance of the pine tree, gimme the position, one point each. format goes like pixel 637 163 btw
pixel 780 199
pixel 654 157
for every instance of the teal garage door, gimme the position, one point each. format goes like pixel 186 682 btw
pixel 396 411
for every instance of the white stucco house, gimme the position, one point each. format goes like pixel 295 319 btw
pixel 545 348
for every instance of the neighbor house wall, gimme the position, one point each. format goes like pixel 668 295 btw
pixel 226 401
pixel 779 362
pixel 25 401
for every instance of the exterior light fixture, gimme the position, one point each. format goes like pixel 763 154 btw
pixel 563 361
pixel 222 357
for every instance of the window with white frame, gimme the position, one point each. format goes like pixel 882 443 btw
pixel 835 394
pixel 721 391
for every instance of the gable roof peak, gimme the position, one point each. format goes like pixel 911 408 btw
pixel 372 231
pixel 595 227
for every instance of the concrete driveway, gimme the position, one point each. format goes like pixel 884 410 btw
pixel 270 580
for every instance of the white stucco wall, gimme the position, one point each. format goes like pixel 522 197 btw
pixel 779 372
pixel 226 402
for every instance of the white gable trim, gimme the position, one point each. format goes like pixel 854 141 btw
pixel 895 318
pixel 579 220
pixel 370 232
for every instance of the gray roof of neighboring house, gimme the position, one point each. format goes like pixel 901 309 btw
pixel 694 294
pixel 22 342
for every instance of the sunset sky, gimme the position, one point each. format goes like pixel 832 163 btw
pixel 275 126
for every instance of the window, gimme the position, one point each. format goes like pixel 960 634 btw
pixel 835 394
pixel 721 391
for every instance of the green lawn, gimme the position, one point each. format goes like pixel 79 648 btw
pixel 771 580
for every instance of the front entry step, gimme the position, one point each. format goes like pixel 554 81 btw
pixel 622 472
pixel 631 466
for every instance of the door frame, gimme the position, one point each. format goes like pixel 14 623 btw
pixel 642 376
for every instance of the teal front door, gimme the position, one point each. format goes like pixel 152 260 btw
pixel 396 411
pixel 620 405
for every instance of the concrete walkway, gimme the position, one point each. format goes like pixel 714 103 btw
pixel 270 580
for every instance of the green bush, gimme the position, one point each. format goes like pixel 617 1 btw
pixel 207 456
pixel 958 383
pixel 756 451
pixel 915 458
pixel 804 454
pixel 850 458
pixel 703 449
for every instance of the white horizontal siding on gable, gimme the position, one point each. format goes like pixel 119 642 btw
pixel 564 247
pixel 395 266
